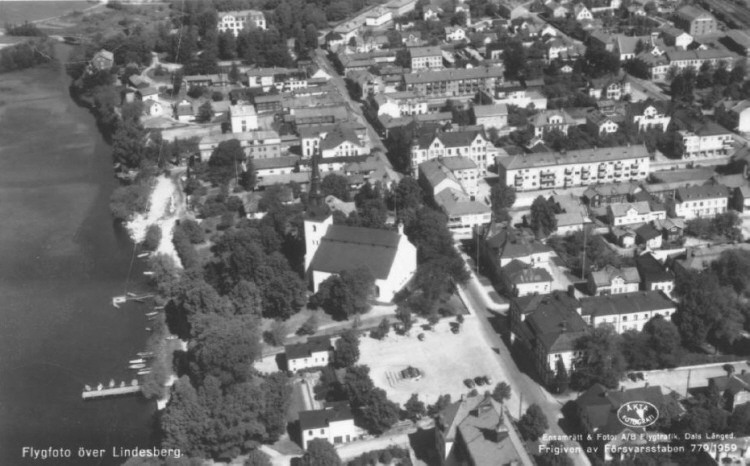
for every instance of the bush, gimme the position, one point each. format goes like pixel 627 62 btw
pixel 196 91
pixel 129 200
pixel 309 327
pixel 153 238
pixel 185 249
pixel 217 96
pixel 276 336
pixel 193 231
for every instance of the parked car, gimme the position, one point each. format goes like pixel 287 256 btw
pixel 421 337
pixel 479 380
pixel 469 383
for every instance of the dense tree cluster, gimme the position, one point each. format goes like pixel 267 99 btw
pixel 26 29
pixel 542 220
pixel 346 294
pixel 727 226
pixel 25 55
pixel 533 423
pixel 570 249
pixel 658 346
pixel 602 360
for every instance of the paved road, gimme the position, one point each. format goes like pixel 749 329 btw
pixel 520 382
pixel 355 108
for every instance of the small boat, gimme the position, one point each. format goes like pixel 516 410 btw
pixel 171 337
pixel 137 366
pixel 117 300
pixel 87 388
pixel 146 354
pixel 158 308
pixel 143 254
pixel 136 361
pixel 148 273
pixel 112 383
pixel 151 314
pixel 99 387
pixel 132 295
pixel 144 371
pixel 122 384
pixel 148 329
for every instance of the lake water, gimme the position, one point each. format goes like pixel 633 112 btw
pixel 61 261
pixel 17 12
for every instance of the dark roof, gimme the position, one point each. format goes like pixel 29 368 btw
pixel 520 272
pixel 319 418
pixel 647 232
pixel 600 406
pixel 553 320
pixel 691 193
pixel 625 303
pixel 304 350
pixel 449 139
pixel 345 247
pixel 651 270
pixel 734 383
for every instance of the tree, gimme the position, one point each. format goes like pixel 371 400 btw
pixel 310 326
pixel 542 219
pixel 501 393
pixel 347 349
pixel 129 200
pixel 335 185
pixel 193 230
pixel 739 421
pixel 562 379
pixel 225 162
pixel 414 408
pixel 601 361
pixel 502 199
pixel 257 458
pixel 183 422
pixel 346 294
pixel 128 143
pixel 321 453
pixel 733 268
pixel 403 314
pixel 383 329
pixel 440 404
pixel 407 195
pixel 533 423
pixel 153 237
pixel 205 112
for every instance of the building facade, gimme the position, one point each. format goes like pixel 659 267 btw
pixel 236 21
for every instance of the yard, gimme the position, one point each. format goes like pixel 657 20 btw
pixel 443 358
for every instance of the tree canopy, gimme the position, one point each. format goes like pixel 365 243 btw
pixel 347 293
pixel 542 218
pixel 601 361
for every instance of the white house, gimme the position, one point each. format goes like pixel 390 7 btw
pixel 633 213
pixel 708 140
pixel 426 57
pixel 315 352
pixel 599 123
pixel 548 120
pixel 236 21
pixel 613 280
pixel 654 276
pixel 333 423
pixel 491 116
pixel 455 33
pixel 626 311
pixel 470 143
pixel 581 13
pixel 700 201
pixel 153 108
pixel 651 118
pixel 378 16
pixel 430 12
pixel 243 118
pixel 524 279
pixel 330 249
pixel 184 112
pixel 342 141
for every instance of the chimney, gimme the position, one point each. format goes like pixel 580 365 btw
pixel 400 228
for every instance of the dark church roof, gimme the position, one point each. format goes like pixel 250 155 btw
pixel 345 247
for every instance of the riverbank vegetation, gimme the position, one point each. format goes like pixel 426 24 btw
pixel 26 54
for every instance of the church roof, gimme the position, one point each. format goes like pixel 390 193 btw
pixel 344 247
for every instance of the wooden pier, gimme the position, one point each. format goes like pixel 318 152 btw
pixel 112 390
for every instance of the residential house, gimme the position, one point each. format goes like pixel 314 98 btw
pixel 499 245
pixel 682 59
pixel 634 213
pixel 400 104
pixel 671 228
pixel 676 37
pixel 627 46
pixel 549 120
pixel 426 57
pixel 478 430
pixel 647 117
pixel 734 389
pixel 700 201
pixel 378 16
pixel 455 33
pixel 610 193
pixel 695 20
pixel 548 327
pixel 491 116
pixel 597 411
pixel 556 48
pixel 333 423
pixel 581 13
pixel 310 136
pixel 243 118
pixel 430 12
pixel 705 140
pixel 463 212
pixel 608 88
pixel 654 275
pixel 625 237
pixel 331 249
pixel 401 7
pixel 342 141
pixel 458 172
pixel 627 311
pixel 571 214
pixel 469 143
pixel 649 236
pixel 551 170
pixel 315 352
pixel 454 82
pixel 153 108
pixel 698 258
pixel 103 60
pixel 183 111
pixel 738 41
pixel 258 144
pixel 237 21
pixel 599 123
pixel 556 10
pixel 613 280
pixel 523 279
pixel 520 94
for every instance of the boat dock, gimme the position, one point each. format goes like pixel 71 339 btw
pixel 102 392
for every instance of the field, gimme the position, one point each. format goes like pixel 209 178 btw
pixel 444 359
pixel 17 12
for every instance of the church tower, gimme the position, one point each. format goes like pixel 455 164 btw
pixel 318 217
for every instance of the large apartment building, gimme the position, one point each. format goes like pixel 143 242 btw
pixel 236 21
pixel 551 170
pixel 706 140
pixel 472 144
pixel 700 201
pixel 454 82
pixel 426 57
pixel 695 20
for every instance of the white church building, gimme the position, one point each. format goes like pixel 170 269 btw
pixel 331 249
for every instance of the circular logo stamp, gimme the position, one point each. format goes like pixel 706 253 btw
pixel 637 414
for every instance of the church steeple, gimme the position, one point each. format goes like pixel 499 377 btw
pixel 315 196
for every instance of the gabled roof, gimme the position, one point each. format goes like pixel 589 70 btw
pixel 599 406
pixel 450 139
pixel 344 247
pixel 651 270
pixel 611 189
pixel 647 232
pixel 692 193
pixel 456 203
pixel 625 303
pixel 605 276
pixel 542 118
pixel 306 349
pixel 106 54
pixel 338 136
pixel 555 324
pixel 485 111
pixel 520 272
pixel 621 209
pixel 417 52
pixel 734 383
pixel 692 12
pixel 321 418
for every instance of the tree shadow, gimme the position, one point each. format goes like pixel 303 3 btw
pixel 423 443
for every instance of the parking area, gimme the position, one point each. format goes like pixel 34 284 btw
pixel 443 358
pixel 678 379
